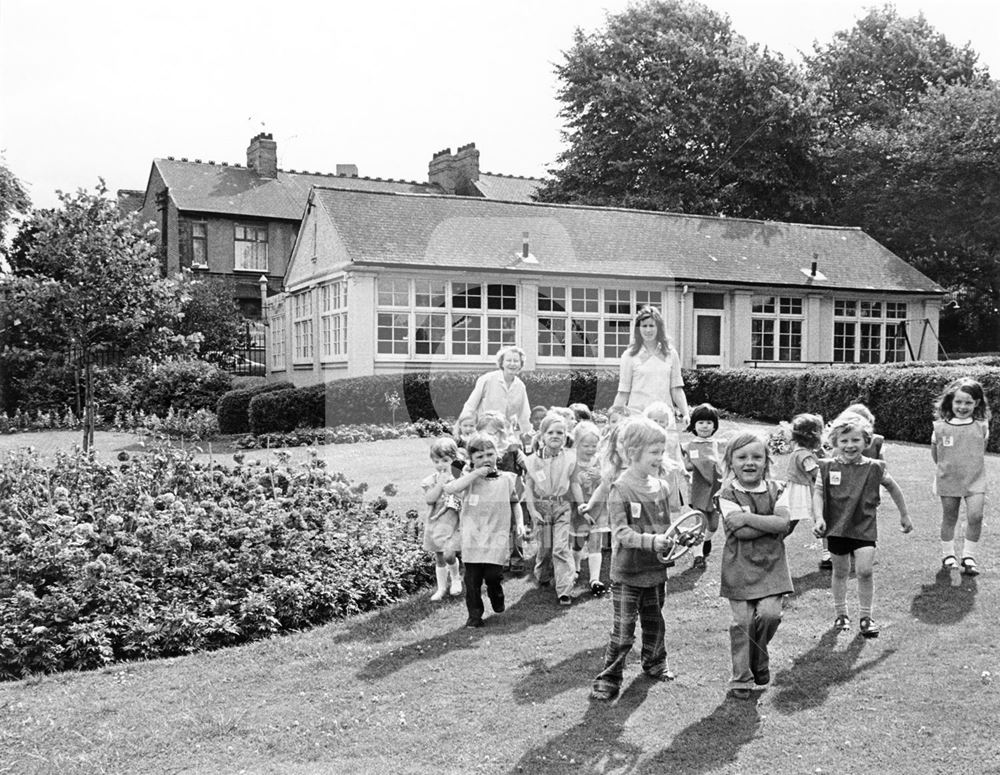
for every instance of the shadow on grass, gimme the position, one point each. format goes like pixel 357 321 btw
pixel 595 744
pixel 807 683
pixel 401 616
pixel 710 742
pixel 536 606
pixel 943 602
pixel 817 579
pixel 544 681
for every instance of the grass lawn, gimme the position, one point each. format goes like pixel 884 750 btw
pixel 410 690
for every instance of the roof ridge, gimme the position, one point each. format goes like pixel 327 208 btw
pixel 598 208
pixel 515 177
pixel 186 160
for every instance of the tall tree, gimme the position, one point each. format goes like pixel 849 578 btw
pixel 95 282
pixel 668 109
pixel 13 200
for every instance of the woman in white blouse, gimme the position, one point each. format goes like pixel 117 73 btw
pixel 651 368
pixel 503 391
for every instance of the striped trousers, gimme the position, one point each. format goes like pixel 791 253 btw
pixel 644 604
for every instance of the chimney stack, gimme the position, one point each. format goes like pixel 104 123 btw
pixel 455 173
pixel 347 170
pixel 262 155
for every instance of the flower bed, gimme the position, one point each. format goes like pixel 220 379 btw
pixel 160 555
pixel 345 434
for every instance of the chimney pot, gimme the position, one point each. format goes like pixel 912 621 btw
pixel 347 170
pixel 262 156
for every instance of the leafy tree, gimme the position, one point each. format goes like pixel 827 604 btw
pixel 209 310
pixel 668 109
pixel 95 284
pixel 13 200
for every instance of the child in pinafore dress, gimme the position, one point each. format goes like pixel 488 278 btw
pixel 755 574
pixel 589 526
pixel 640 504
pixel 662 414
pixel 549 502
pixel 958 446
pixel 847 499
pixel 874 448
pixel 441 532
pixel 703 461
pixel 489 500
pixel 802 470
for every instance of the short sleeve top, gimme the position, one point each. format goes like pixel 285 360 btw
pixel 648 378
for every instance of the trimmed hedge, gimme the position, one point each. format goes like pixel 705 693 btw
pixel 901 398
pixel 233 407
pixel 423 395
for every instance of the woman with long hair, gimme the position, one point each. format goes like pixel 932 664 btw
pixel 651 368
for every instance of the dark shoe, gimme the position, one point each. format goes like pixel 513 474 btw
pixel 597 588
pixel 499 607
pixel 473 622
pixel 699 562
pixel 868 627
pixel 604 692
pixel 740 694
pixel 950 562
pixel 762 678
pixel 826 564
pixel 842 622
pixel 969 567
pixel 706 548
pixel 565 600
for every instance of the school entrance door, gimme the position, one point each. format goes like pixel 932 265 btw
pixel 709 309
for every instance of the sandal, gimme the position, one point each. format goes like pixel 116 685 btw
pixel 969 567
pixel 842 623
pixel 603 693
pixel 868 627
pixel 950 562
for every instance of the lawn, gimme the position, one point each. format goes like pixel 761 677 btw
pixel 410 690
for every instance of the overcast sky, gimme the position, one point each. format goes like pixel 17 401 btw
pixel 98 89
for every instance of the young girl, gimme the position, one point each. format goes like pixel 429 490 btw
pixel 441 534
pixel 548 499
pixel 807 440
pixel 589 526
pixel 510 458
pixel 465 426
pixel 873 450
pixel 846 500
pixel 703 461
pixel 489 500
pixel 673 461
pixel 639 504
pixel 958 446
pixel 755 574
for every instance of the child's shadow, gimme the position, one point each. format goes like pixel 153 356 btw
pixel 710 742
pixel 685 581
pixel 535 606
pixel 816 579
pixel 395 618
pixel 943 602
pixel 595 744
pixel 806 684
pixel 544 681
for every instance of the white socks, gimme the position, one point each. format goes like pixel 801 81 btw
pixel 456 578
pixel 969 549
pixel 948 548
pixel 594 565
pixel 442 579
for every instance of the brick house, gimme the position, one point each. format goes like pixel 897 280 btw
pixel 381 282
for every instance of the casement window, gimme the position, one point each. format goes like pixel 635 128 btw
pixel 277 319
pixel 867 331
pixel 333 319
pixel 445 319
pixel 250 248
pixel 193 243
pixel 302 327
pixel 776 328
pixel 588 323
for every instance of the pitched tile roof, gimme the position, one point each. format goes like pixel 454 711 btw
pixel 472 233
pixel 233 189
pixel 509 188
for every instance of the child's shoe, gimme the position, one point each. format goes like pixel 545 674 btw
pixel 603 692
pixel 706 547
pixel 699 562
pixel 597 588
pixel 868 627
pixel 969 567
pixel 842 622
pixel 565 600
pixel 740 694
pixel 442 581
pixel 826 564
pixel 473 622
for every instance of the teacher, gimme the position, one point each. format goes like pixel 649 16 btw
pixel 502 390
pixel 651 368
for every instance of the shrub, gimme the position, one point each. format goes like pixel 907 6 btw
pixel 162 555
pixel 233 407
pixel 180 384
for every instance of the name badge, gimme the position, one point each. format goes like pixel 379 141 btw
pixel 835 477
pixel 636 509
pixel 472 500
pixel 693 454
pixel 948 441
pixel 540 476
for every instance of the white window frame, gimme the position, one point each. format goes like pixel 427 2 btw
pixel 249 241
pixel 782 320
pixel 333 319
pixel 277 320
pixel 302 326
pixel 586 323
pixel 870 325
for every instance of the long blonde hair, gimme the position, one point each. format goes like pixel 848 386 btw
pixel 663 344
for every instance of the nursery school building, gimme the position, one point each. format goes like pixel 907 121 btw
pixel 383 282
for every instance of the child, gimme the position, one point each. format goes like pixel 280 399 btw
pixel 441 534
pixel 588 526
pixel 548 498
pixel 755 574
pixel 528 434
pixel 569 419
pixel 873 450
pixel 465 426
pixel 639 505
pixel 673 461
pixel 615 415
pixel 510 458
pixel 846 499
pixel 581 412
pixel 958 446
pixel 489 498
pixel 800 476
pixel 703 461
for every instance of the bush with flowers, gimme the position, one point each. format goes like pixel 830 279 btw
pixel 158 554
